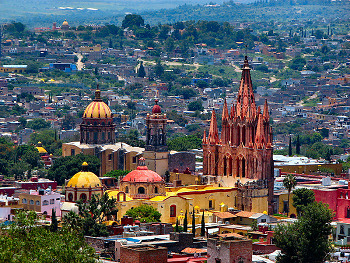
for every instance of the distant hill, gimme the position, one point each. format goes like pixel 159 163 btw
pixel 39 13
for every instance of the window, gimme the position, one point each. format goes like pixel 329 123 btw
pixel 173 211
pixel 52 201
pixel 70 197
pixel 109 157
pixel 156 190
pixel 72 152
pixel 263 220
pixel 141 190
pixel 24 201
pixel 31 202
pixel 37 202
pixel 95 136
pixel 134 159
pixel 341 232
pixel 210 204
pixel 46 202
pixel 83 197
pixel 127 189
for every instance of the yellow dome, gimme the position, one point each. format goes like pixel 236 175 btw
pixel 97 109
pixel 65 23
pixel 84 179
pixel 40 148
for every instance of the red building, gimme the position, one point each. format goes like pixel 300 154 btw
pixel 245 150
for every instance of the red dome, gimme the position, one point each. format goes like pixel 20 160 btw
pixel 142 175
pixel 156 108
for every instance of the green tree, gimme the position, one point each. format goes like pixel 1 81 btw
pixel 302 198
pixel 141 73
pixel 185 143
pixel 307 239
pixel 254 225
pixel 290 150
pixel 185 222
pixel 195 105
pixel 203 226
pixel 54 223
pixel 66 167
pixel 158 70
pixel 24 241
pixel 193 223
pixel 132 20
pixel 49 140
pixel 289 182
pixel 298 63
pixel 144 213
pixel 38 124
pixel 177 226
pixel 117 173
pixel 93 212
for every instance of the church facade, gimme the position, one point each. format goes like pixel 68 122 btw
pixel 242 156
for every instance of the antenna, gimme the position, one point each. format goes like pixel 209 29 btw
pixel 246 50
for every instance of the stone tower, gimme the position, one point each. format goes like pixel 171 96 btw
pixel 243 155
pixel 156 152
pixel 97 126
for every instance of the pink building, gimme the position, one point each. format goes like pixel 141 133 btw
pixel 41 201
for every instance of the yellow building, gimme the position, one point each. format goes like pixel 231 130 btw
pixel 83 185
pixel 283 204
pixel 13 68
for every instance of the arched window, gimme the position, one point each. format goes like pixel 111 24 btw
pixel 31 202
pixel 141 190
pixel 103 123
pixel 45 202
pixel 109 135
pixel 24 201
pixel 156 190
pixel 37 202
pixel 225 165
pixel 103 136
pixel 83 197
pixel 238 135
pixel 243 135
pixel 95 136
pixel 243 168
pixel 230 166
pixel 173 211
pixel 127 189
pixel 70 197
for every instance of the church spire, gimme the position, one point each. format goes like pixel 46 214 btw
pixel 225 112
pixel 245 97
pixel 204 141
pixel 259 137
pixel 213 137
pixel 266 114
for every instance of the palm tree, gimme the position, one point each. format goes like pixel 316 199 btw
pixel 289 182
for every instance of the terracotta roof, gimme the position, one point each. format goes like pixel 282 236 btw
pixel 190 250
pixel 142 174
pixel 245 214
pixel 225 215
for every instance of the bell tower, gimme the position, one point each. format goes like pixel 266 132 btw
pixel 156 150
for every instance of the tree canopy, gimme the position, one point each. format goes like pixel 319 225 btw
pixel 131 20
pixel 25 242
pixel 302 197
pixel 144 213
pixel 185 143
pixel 65 167
pixel 307 239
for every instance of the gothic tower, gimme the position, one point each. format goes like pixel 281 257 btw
pixel 156 150
pixel 243 156
pixel 97 126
